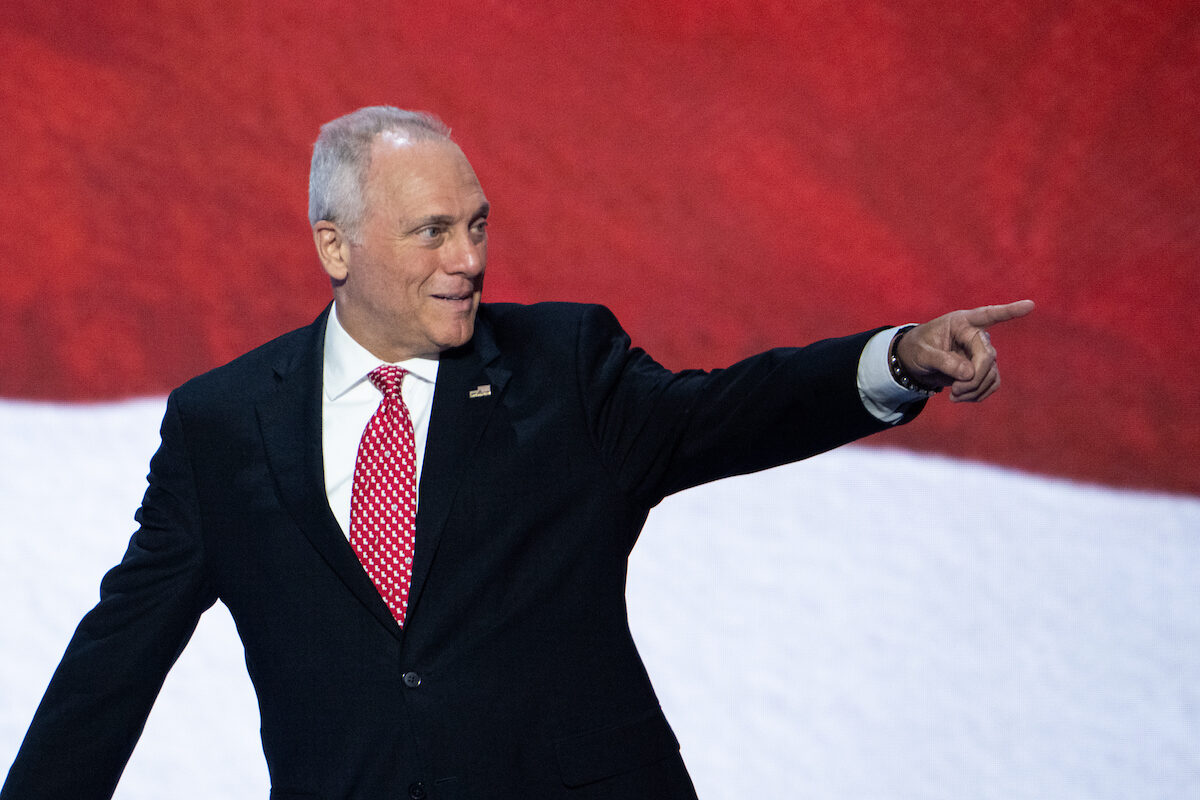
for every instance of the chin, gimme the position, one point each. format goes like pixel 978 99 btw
pixel 457 335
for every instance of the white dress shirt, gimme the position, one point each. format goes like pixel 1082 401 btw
pixel 349 399
pixel 347 403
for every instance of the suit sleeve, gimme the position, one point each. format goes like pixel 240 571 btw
pixel 661 431
pixel 100 696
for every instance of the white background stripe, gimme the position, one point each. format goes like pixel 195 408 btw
pixel 887 625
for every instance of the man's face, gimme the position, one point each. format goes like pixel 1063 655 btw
pixel 412 282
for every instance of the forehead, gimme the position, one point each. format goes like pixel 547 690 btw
pixel 421 177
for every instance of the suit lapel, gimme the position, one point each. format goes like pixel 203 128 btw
pixel 469 385
pixel 290 420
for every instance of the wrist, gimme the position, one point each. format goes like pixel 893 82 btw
pixel 900 373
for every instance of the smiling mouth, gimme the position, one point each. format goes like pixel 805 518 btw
pixel 457 303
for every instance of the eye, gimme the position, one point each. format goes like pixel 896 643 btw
pixel 479 226
pixel 430 232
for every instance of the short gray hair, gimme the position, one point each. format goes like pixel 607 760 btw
pixel 342 156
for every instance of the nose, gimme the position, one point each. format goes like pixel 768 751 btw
pixel 466 256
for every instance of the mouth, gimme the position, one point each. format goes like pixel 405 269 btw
pixel 458 301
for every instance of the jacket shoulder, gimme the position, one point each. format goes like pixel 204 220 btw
pixel 540 315
pixel 549 328
pixel 255 371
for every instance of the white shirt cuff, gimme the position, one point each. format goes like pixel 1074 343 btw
pixel 880 393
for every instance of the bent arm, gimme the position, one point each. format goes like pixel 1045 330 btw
pixel 100 696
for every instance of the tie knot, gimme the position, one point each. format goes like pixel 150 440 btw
pixel 387 379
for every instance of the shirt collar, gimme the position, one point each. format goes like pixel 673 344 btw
pixel 347 362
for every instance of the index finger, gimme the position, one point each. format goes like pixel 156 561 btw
pixel 985 316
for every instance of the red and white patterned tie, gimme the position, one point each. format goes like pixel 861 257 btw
pixel 383 503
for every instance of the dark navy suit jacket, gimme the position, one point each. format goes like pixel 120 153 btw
pixel 515 675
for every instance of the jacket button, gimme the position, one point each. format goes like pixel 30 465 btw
pixel 417 790
pixel 412 680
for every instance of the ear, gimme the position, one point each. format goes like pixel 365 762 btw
pixel 333 248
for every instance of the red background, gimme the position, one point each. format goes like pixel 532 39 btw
pixel 726 176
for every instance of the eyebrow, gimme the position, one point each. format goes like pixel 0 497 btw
pixel 447 219
pixel 432 219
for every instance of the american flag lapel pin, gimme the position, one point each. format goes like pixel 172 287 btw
pixel 483 390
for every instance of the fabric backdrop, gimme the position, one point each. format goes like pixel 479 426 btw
pixel 727 176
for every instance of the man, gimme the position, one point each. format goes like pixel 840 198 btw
pixel 477 648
